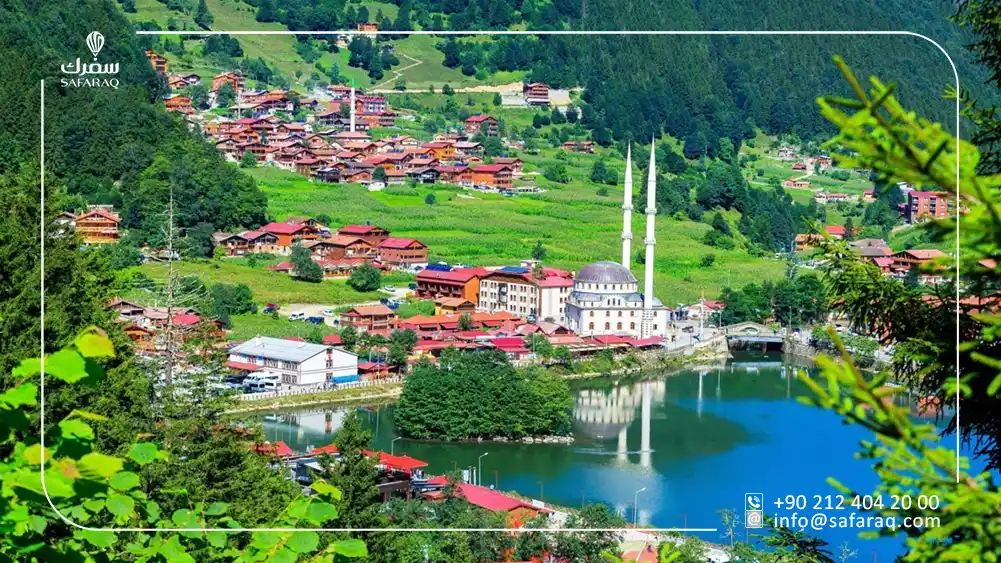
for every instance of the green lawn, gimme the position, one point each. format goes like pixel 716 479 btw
pixel 574 224
pixel 252 324
pixel 268 287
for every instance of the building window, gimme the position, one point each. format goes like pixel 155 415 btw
pixel 590 326
pixel 632 326
pixel 618 326
pixel 655 328
pixel 620 313
pixel 592 313
pixel 607 326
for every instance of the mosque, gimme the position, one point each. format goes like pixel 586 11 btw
pixel 605 299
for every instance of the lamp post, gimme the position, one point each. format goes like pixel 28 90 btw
pixel 636 500
pixel 479 468
pixel 392 445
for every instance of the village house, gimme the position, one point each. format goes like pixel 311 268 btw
pixel 260 241
pixel 468 148
pixel 453 306
pixel 448 174
pixel 443 150
pixel 497 176
pixel 290 233
pixel 371 234
pixel 424 175
pixel 403 253
pixel 922 206
pixel 233 244
pixel 788 153
pixel 181 81
pixel 869 196
pixel 235 79
pixel 514 163
pixel 371 104
pixel 924 259
pixel 824 198
pixel 328 174
pixel 338 246
pixel 300 364
pixel 482 123
pixel 98 225
pixel 795 184
pixel 516 512
pixel 464 283
pixel 368 29
pixel 579 146
pixel 369 317
pixel 180 104
pixel 520 291
pixel 158 61
pixel 536 94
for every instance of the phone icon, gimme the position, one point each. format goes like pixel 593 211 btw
pixel 753 501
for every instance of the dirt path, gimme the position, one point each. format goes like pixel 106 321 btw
pixel 398 73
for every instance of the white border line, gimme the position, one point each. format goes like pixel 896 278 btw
pixel 467 33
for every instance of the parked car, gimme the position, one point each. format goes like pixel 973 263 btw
pixel 297 316
pixel 688 329
pixel 394 305
pixel 329 313
pixel 384 300
pixel 412 286
pixel 271 308
pixel 315 320
pixel 389 288
pixel 261 382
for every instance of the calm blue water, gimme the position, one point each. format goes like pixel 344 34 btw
pixel 743 432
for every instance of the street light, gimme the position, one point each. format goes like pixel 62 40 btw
pixel 479 468
pixel 392 445
pixel 636 500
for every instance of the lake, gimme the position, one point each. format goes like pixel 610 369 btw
pixel 697 441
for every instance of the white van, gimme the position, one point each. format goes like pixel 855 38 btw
pixel 262 382
pixel 297 316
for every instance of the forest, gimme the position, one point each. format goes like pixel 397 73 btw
pixel 481 395
pixel 110 146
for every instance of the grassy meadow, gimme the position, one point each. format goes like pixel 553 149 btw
pixel 575 225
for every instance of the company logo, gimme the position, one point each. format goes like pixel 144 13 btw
pixel 95 42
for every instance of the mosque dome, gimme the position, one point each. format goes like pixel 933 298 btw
pixel 605 272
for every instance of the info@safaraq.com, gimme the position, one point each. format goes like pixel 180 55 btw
pixel 820 512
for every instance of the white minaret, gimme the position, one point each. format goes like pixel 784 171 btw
pixel 650 241
pixel 352 106
pixel 627 210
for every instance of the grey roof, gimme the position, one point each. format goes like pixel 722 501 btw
pixel 279 349
pixel 605 272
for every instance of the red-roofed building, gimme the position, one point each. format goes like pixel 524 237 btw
pixel 536 93
pixel 274 449
pixel 97 225
pixel 519 291
pixel 517 512
pixel 373 370
pixel 403 252
pixel 340 246
pixel 482 123
pixel 922 206
pixel 836 231
pixel 514 347
pixel 369 317
pixel 464 282
pixel 333 340
pixel 290 233
pixel 369 233
pixel 497 176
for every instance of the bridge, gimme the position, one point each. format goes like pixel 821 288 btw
pixel 752 333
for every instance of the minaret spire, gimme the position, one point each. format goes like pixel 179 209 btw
pixel 352 106
pixel 651 212
pixel 627 209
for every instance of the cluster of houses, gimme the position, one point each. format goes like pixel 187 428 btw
pixel 879 253
pixel 338 253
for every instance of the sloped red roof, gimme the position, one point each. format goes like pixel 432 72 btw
pixel 187 320
pixel 332 340
pixel 357 229
pixel 399 243
pixel 493 500
pixel 282 228
pixel 491 168
pixel 328 449
pixel 278 448
pixel 478 118
pixel 460 275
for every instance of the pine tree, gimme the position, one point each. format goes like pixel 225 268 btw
pixel 203 17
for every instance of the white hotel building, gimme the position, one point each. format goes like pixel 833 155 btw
pixel 298 363
pixel 518 291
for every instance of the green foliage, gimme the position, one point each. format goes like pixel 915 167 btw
pixel 104 491
pixel 248 160
pixel 473 395
pixel 557 173
pixel 303 265
pixel 601 174
pixel 430 199
pixel 365 278
pixel 708 260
